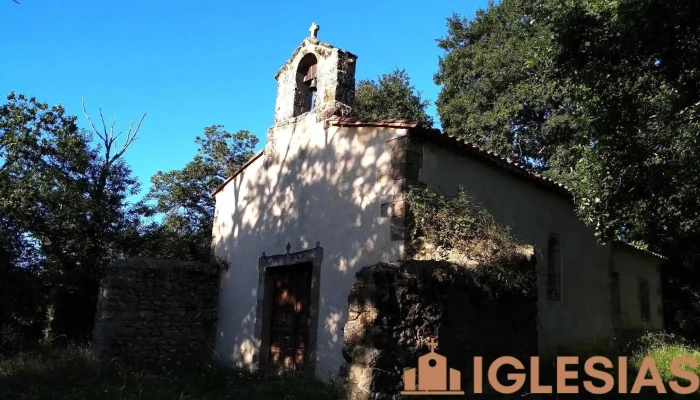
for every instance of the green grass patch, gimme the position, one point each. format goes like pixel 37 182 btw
pixel 663 348
pixel 73 374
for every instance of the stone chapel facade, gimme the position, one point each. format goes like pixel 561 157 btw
pixel 323 199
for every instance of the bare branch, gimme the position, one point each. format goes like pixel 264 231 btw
pixel 108 142
pixel 138 127
pixel 90 121
pixel 130 137
pixel 120 132
pixel 111 129
pixel 109 138
pixel 130 127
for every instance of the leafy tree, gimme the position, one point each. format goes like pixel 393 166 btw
pixel 65 197
pixel 595 93
pixel 498 84
pixel 183 196
pixel 21 291
pixel 601 95
pixel 634 67
pixel 391 96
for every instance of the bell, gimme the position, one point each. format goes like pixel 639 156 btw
pixel 312 85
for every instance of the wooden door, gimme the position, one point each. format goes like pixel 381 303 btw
pixel 289 328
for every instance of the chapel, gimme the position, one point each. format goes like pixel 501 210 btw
pixel 324 198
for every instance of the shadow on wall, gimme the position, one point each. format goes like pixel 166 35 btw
pixel 313 184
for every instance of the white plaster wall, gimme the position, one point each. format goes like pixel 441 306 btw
pixel 321 187
pixel 582 319
pixel 632 265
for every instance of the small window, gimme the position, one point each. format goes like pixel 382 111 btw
pixel 554 269
pixel 616 300
pixel 644 307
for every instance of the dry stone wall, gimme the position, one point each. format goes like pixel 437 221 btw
pixel 157 312
pixel 396 308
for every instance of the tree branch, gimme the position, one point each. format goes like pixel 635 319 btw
pixel 90 121
pixel 130 137
pixel 108 138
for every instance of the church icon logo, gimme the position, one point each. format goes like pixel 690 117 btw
pixel 434 378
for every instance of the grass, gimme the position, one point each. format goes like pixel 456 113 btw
pixel 73 374
pixel 664 355
pixel 663 348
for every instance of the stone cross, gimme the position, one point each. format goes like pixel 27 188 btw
pixel 313 31
pixel 432 344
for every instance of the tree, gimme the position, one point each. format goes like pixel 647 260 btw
pixel 22 294
pixel 600 95
pixel 65 197
pixel 499 88
pixel 40 151
pixel 634 67
pixel 391 96
pixel 183 196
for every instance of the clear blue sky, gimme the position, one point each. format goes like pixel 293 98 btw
pixel 191 64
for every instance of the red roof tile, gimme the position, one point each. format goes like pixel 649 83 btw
pixel 389 123
pixel 498 160
pixel 468 148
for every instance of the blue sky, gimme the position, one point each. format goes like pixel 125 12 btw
pixel 191 64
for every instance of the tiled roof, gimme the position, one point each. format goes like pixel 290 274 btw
pixel 458 143
pixel 500 161
pixel 466 147
pixel 643 250
pixel 389 123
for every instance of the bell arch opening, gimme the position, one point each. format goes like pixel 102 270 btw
pixel 306 84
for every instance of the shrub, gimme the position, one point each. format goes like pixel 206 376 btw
pixel 663 348
pixel 460 224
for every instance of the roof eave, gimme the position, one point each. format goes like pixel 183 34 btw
pixel 497 160
pixel 631 246
pixel 232 177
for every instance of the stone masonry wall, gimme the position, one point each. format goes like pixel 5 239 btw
pixel 406 162
pixel 395 309
pixel 336 82
pixel 157 312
